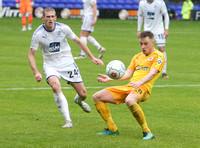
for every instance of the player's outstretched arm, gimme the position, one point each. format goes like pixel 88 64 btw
pixel 31 58
pixel 87 51
pixel 104 78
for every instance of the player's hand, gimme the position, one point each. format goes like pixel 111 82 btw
pixel 38 77
pixel 138 34
pixel 135 84
pixel 92 23
pixel 166 33
pixel 17 5
pixel 103 78
pixel 97 61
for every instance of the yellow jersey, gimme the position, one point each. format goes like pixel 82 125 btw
pixel 141 65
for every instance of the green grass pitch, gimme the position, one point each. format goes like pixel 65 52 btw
pixel 29 116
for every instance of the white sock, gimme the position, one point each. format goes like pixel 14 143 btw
pixel 62 104
pixel 165 65
pixel 84 39
pixel 78 99
pixel 94 42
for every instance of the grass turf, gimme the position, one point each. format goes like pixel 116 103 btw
pixel 30 118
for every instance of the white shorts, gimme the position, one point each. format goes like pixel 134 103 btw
pixel 160 39
pixel 86 26
pixel 71 74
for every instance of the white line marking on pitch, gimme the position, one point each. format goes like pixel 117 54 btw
pixel 97 87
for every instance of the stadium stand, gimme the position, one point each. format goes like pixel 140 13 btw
pixel 103 4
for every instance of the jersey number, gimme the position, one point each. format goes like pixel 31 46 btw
pixel 161 36
pixel 73 73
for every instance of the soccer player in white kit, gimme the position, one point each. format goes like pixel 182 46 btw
pixel 152 12
pixel 89 20
pixel 58 61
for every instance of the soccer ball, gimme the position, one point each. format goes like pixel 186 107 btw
pixel 115 69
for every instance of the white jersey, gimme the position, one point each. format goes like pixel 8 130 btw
pixel 55 48
pixel 153 15
pixel 87 7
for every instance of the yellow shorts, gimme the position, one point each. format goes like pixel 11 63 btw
pixel 120 93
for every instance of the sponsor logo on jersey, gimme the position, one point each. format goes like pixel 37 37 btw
pixel 150 59
pixel 141 68
pixel 54 47
pixel 151 15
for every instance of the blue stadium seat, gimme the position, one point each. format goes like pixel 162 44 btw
pixel 119 6
pixel 112 2
pixel 62 5
pixel 171 6
pixel 78 6
pixel 178 7
pixel 44 5
pixel 111 6
pixel 69 6
pixel 53 5
pixel 10 4
pixel 196 7
pixel 120 1
pixel 102 6
pixel 38 1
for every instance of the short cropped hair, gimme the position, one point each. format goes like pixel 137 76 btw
pixel 146 34
pixel 48 9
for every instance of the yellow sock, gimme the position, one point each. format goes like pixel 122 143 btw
pixel 137 112
pixel 104 111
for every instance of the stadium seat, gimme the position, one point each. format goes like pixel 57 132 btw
pixel 62 5
pixel 178 7
pixel 9 4
pixel 171 6
pixel 78 6
pixel 120 1
pixel 53 5
pixel 196 7
pixel 119 6
pixel 38 1
pixel 44 5
pixel 112 2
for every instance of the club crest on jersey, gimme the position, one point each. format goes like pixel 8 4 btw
pixel 59 33
pixel 160 61
pixel 150 59
pixel 54 47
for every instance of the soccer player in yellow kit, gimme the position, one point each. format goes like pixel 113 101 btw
pixel 144 68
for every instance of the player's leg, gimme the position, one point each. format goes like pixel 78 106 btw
pixel 164 71
pixel 132 101
pixel 22 10
pixel 100 99
pixel 160 41
pixel 83 36
pixel 60 100
pixel 94 42
pixel 86 29
pixel 81 96
pixel 23 20
pixel 30 19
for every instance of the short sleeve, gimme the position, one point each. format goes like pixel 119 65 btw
pixel 159 62
pixel 69 33
pixel 34 42
pixel 132 64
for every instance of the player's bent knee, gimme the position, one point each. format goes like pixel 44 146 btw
pixel 96 97
pixel 56 88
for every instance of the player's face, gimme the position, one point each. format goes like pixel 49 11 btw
pixel 147 45
pixel 49 20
